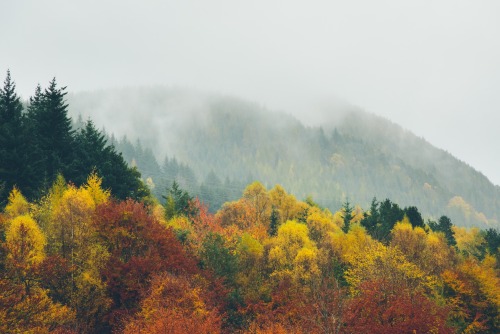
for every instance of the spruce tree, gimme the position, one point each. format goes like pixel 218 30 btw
pixel 13 151
pixel 347 209
pixel 273 222
pixel 94 154
pixel 52 131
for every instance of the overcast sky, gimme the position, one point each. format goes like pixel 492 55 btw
pixel 431 66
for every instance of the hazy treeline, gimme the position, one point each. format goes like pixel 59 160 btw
pixel 352 155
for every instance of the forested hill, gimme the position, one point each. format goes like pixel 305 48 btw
pixel 226 142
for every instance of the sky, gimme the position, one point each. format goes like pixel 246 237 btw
pixel 431 66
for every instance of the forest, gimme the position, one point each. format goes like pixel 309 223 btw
pixel 215 145
pixel 85 247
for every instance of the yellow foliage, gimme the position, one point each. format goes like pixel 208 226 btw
pixel 306 265
pixel 320 223
pixel 469 241
pixel 338 218
pixel 17 204
pixel 429 251
pixel 25 242
pixel 293 254
pixel 287 205
pixel 258 198
pixel 35 314
pixel 250 247
pixel 387 263
pixel 94 188
pixel 349 247
pixel 357 214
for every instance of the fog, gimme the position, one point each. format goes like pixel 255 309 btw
pixel 431 66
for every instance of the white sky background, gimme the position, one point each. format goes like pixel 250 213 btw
pixel 431 66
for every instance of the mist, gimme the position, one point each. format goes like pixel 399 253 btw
pixel 432 67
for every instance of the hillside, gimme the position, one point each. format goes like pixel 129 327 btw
pixel 355 155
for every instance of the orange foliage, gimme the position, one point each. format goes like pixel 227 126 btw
pixel 175 305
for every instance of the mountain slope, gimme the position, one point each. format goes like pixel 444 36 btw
pixel 358 156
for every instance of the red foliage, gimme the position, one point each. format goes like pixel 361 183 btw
pixel 395 310
pixel 55 273
pixel 139 247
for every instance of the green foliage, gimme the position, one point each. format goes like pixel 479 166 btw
pixel 177 202
pixel 40 143
pixel 382 218
pixel 445 226
pixel 217 257
pixel 359 154
pixel 346 215
pixel 414 216
pixel 15 166
pixel 274 221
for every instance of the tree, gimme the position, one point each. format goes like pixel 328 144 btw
pixel 273 222
pixel 382 219
pixel 52 131
pixel 25 244
pixel 346 215
pixel 93 154
pixel 17 204
pixel 139 247
pixel 446 227
pixel 14 161
pixel 372 218
pixel 217 257
pixel 258 198
pixel 293 255
pixel 177 202
pixel 492 238
pixel 175 305
pixel 382 307
pixel 414 216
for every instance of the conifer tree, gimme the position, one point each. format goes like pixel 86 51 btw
pixel 94 154
pixel 13 151
pixel 52 131
pixel 347 209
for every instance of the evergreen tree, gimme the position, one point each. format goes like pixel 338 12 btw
pixel 492 238
pixel 14 164
pixel 414 216
pixel 177 202
pixel 370 221
pixel 52 131
pixel 124 181
pixel 347 215
pixel 274 222
pixel 445 226
pixel 383 216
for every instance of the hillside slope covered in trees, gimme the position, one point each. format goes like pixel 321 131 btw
pixel 78 260
pixel 97 254
pixel 223 141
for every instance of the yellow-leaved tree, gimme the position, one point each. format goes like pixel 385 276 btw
pixel 17 204
pixel 292 254
pixel 250 276
pixel 25 245
pixel 73 238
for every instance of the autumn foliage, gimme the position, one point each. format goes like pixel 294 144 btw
pixel 80 261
